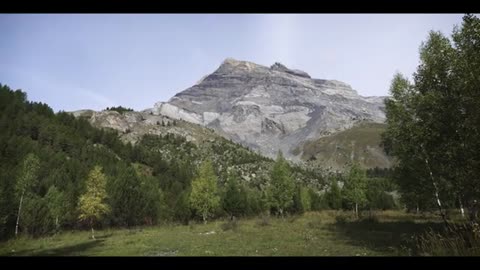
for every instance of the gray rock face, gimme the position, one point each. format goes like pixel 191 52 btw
pixel 271 108
pixel 133 125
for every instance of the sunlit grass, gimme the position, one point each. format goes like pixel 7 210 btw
pixel 312 234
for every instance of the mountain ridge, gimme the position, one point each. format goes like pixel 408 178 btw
pixel 271 108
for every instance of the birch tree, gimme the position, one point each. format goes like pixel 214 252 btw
pixel 27 179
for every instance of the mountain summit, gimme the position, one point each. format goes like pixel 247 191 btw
pixel 271 108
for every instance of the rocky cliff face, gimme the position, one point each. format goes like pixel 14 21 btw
pixel 271 108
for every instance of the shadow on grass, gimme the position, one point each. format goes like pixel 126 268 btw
pixel 391 237
pixel 72 250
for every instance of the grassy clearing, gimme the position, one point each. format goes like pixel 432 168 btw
pixel 326 233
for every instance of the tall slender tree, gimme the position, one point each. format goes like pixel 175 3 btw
pixel 92 204
pixel 282 187
pixel 354 187
pixel 204 197
pixel 26 181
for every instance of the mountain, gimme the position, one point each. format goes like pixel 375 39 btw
pixel 273 108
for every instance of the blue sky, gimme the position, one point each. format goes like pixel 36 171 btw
pixel 79 61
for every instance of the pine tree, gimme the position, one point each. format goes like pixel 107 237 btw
pixel 125 197
pixel 235 199
pixel 92 204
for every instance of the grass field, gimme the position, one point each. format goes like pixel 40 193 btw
pixel 326 233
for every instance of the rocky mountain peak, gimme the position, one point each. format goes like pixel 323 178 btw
pixel 271 108
pixel 280 67
pixel 231 65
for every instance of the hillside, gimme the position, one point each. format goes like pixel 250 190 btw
pixel 359 144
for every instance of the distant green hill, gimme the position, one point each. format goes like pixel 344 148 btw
pixel 360 143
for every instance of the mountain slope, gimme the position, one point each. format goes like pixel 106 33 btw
pixel 271 108
pixel 181 140
pixel 360 144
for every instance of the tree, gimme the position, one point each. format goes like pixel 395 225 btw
pixel 204 197
pixel 433 123
pixel 334 195
pixel 152 200
pixel 125 197
pixel 91 204
pixel 27 179
pixel 36 215
pixel 282 187
pixel 235 198
pixel 56 203
pixel 354 187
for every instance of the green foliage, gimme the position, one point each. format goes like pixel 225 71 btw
pixel 126 197
pixel 152 200
pixel 302 201
pixel 119 109
pixel 355 186
pixel 35 216
pixel 92 206
pixel 235 197
pixel 57 205
pixel 182 210
pixel 334 195
pixel 433 123
pixel 282 187
pixel 29 174
pixel 377 194
pixel 318 201
pixel 204 198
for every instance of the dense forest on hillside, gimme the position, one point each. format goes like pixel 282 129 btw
pixel 48 159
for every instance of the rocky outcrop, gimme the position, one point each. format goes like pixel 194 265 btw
pixel 271 108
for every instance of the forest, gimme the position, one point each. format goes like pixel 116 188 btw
pixel 50 161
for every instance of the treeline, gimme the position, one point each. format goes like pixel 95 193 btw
pixel 119 109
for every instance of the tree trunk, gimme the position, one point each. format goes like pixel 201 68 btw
pixel 93 233
pixel 204 216
pixel 18 215
pixel 418 209
pixel 435 188
pixel 356 210
pixel 473 211
pixel 56 222
pixel 461 208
